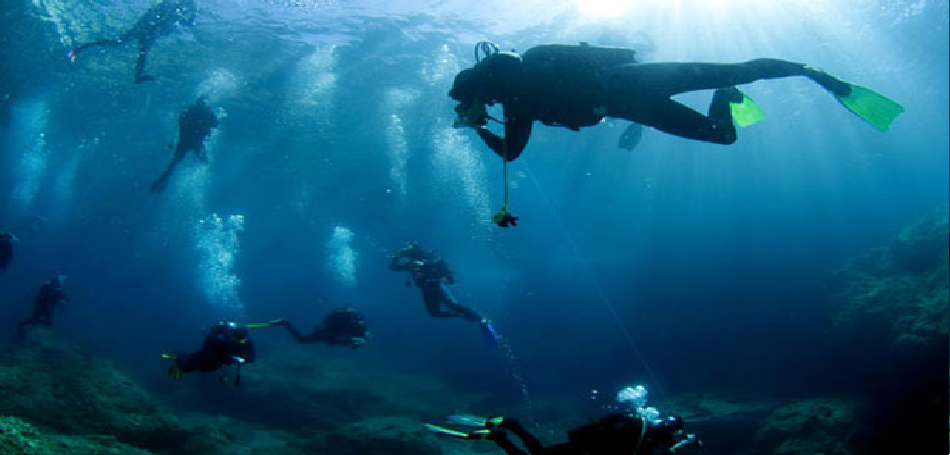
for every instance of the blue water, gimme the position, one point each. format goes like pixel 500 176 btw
pixel 337 148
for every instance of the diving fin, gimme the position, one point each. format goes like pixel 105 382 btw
pixel 455 433
pixel 489 335
pixel 258 325
pixel 746 112
pixel 470 420
pixel 874 108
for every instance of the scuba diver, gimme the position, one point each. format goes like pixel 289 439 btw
pixel 158 21
pixel 194 126
pixel 227 343
pixel 7 239
pixel 49 297
pixel 576 86
pixel 342 327
pixel 432 275
pixel 631 137
pixel 613 434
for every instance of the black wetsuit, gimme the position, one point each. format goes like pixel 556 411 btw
pixel 48 298
pixel 194 126
pixel 220 348
pixel 614 434
pixel 342 327
pixel 577 86
pixel 431 274
pixel 161 19
pixel 6 249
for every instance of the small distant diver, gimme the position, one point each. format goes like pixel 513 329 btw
pixel 161 19
pixel 613 434
pixel 431 275
pixel 49 297
pixel 194 126
pixel 631 137
pixel 7 239
pixel 576 86
pixel 226 344
pixel 342 327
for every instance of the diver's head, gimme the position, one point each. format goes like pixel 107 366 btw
pixel 235 332
pixel 465 86
pixel 465 89
pixel 238 333
pixel 58 280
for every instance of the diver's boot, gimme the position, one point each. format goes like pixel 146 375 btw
pixel 830 83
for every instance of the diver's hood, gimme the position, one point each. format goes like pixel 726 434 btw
pixel 465 85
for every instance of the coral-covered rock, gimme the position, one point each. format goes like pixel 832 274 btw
pixel 302 387
pixel 19 437
pixel 900 293
pixel 379 435
pixel 50 383
pixel 813 426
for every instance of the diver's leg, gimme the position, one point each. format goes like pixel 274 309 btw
pixel 674 118
pixel 293 331
pixel 448 301
pixel 140 76
pixel 530 442
pixel 432 298
pixel 500 438
pixel 74 52
pixel 654 80
pixel 161 182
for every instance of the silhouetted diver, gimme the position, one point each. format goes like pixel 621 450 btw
pixel 158 21
pixel 194 126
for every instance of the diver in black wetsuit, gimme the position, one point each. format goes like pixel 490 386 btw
pixel 7 239
pixel 158 21
pixel 194 126
pixel 431 274
pixel 227 343
pixel 342 327
pixel 577 86
pixel 49 297
pixel 613 434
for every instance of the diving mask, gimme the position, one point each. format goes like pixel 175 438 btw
pixel 471 115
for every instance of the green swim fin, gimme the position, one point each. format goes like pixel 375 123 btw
pixel 746 112
pixel 470 420
pixel 455 433
pixel 871 106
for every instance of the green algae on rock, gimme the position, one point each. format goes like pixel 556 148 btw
pixel 900 292
pixel 19 437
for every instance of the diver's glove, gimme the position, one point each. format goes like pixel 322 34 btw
pixel 238 360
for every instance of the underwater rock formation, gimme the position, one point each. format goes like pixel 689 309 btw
pixel 813 426
pixel 900 293
pixel 290 405
pixel 301 385
pixel 50 383
pixel 19 437
pixel 893 315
